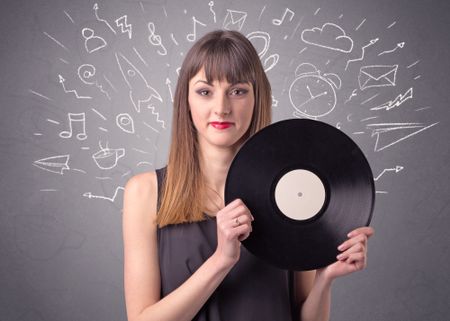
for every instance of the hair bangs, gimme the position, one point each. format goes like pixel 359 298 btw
pixel 225 61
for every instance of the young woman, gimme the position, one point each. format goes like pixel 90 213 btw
pixel 182 245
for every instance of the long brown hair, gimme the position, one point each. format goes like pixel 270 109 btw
pixel 224 55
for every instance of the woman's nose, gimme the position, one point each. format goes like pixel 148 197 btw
pixel 222 106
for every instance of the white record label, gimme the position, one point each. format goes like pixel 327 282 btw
pixel 300 194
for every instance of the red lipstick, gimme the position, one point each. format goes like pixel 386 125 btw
pixel 221 125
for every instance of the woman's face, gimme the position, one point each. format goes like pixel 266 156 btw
pixel 221 111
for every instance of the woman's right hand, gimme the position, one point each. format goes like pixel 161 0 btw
pixel 234 224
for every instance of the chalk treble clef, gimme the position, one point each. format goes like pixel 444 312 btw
pixel 155 39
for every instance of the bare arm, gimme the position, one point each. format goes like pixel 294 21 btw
pixel 141 265
pixel 313 288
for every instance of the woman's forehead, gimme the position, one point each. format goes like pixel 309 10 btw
pixel 201 76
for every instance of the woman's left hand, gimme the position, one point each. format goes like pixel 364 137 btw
pixel 353 256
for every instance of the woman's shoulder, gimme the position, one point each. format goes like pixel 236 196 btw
pixel 141 195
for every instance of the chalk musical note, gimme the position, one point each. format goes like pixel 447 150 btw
pixel 193 36
pixel 278 22
pixel 155 39
pixel 78 121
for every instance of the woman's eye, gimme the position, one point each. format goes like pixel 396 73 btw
pixel 238 91
pixel 203 92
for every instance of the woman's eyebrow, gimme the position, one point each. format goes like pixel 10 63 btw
pixel 203 81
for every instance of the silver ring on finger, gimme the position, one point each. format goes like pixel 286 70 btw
pixel 236 221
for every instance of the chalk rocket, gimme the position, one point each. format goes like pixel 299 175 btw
pixel 140 90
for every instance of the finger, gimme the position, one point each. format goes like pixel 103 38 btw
pixel 356 248
pixel 239 220
pixel 240 231
pixel 360 238
pixel 358 259
pixel 366 230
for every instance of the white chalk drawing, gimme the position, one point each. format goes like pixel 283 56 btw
pixel 54 164
pixel 140 151
pixel 124 26
pixel 211 5
pixel 92 43
pixel 68 16
pixel 86 73
pixel 155 39
pixel 234 20
pixel 260 14
pixel 77 121
pixel 53 121
pixel 353 94
pixel 274 102
pixel 111 199
pixel 149 126
pixel 40 95
pixel 165 11
pixel 154 112
pixel 417 77
pixel 413 64
pixel 363 49
pixel 329 36
pixel 399 46
pixel 140 57
pixel 64 61
pixel 95 8
pixel 377 76
pixel 278 22
pixel 359 26
pixel 272 60
pixel 168 84
pixel 125 122
pixel 107 158
pixel 173 39
pixel 368 118
pixel 103 129
pixel 296 27
pixel 317 11
pixel 102 178
pixel 389 134
pixel 400 99
pixel 144 163
pixel 140 91
pixel 98 113
pixel 62 80
pixel 391 25
pixel 370 98
pixel 193 36
pixel 396 169
pixel 423 108
pixel 109 83
pixel 312 94
pixel 56 41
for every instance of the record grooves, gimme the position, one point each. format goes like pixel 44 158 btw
pixel 307 184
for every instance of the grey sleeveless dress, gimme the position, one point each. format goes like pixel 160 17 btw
pixel 252 290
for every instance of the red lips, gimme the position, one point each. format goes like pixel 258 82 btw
pixel 221 125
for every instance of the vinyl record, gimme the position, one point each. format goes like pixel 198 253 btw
pixel 307 184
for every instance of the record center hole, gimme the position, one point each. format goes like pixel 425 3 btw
pixel 299 194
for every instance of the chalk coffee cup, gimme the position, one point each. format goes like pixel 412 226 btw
pixel 107 158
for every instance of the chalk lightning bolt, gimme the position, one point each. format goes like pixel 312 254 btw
pixel 400 99
pixel 124 26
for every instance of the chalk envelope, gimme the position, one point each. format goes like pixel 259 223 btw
pixel 377 76
pixel 234 18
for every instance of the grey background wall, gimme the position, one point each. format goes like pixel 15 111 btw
pixel 86 92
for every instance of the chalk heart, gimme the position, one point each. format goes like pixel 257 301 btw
pixel 107 158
